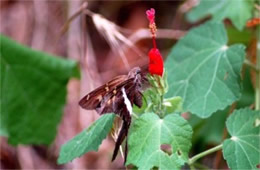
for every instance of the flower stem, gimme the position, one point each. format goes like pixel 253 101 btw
pixel 154 43
pixel 202 154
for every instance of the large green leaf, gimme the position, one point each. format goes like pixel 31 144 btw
pixel 33 92
pixel 239 11
pixel 204 71
pixel 242 150
pixel 88 140
pixel 147 135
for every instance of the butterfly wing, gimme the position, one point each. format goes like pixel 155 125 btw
pixel 98 97
pixel 114 101
pixel 92 100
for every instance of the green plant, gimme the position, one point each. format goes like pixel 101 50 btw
pixel 204 77
pixel 33 92
pixel 201 88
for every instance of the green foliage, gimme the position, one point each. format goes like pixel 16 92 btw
pixel 236 36
pixel 238 11
pixel 147 135
pixel 203 71
pixel 206 74
pixel 154 100
pixel 248 93
pixel 242 150
pixel 213 127
pixel 33 92
pixel 88 140
pixel 173 104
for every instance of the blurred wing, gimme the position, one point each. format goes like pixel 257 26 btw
pixel 114 101
pixel 93 99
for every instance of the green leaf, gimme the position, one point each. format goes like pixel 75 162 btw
pixel 242 150
pixel 238 11
pixel 147 135
pixel 248 92
pixel 236 36
pixel 33 93
pixel 204 71
pixel 173 104
pixel 88 140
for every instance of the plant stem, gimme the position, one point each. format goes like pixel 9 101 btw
pixel 135 115
pixel 257 88
pixel 192 167
pixel 200 166
pixel 202 154
pixel 251 65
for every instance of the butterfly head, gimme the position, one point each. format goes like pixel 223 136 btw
pixel 134 72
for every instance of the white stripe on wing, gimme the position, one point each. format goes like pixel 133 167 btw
pixel 127 101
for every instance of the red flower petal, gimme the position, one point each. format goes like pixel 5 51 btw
pixel 156 62
pixel 150 15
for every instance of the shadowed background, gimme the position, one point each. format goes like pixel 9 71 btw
pixel 101 55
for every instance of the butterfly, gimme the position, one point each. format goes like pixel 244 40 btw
pixel 118 96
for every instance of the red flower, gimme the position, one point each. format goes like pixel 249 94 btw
pixel 156 62
pixel 150 15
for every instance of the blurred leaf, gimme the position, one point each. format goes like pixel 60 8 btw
pixel 248 92
pixel 207 132
pixel 147 135
pixel 235 36
pixel 213 129
pixel 88 140
pixel 33 92
pixel 206 74
pixel 173 104
pixel 238 11
pixel 242 150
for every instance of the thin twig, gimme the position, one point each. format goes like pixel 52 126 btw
pixel 257 7
pixel 40 26
pixel 161 33
pixel 65 27
pixel 251 65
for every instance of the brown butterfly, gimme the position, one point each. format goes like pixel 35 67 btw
pixel 118 96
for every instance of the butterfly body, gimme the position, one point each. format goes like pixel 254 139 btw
pixel 118 96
